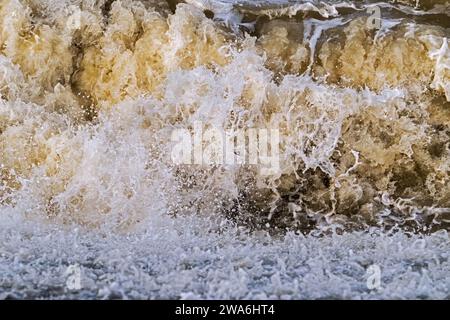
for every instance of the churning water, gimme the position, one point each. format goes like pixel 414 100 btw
pixel 91 92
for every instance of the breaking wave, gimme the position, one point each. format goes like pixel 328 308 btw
pixel 91 91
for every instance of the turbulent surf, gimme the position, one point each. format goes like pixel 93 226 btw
pixel 358 91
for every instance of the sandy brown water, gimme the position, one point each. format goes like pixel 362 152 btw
pixel 92 91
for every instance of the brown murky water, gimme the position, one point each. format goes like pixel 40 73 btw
pixel 359 91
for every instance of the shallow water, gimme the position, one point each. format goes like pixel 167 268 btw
pixel 92 91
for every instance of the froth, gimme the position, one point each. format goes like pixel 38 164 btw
pixel 88 108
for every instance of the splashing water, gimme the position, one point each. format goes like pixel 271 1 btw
pixel 92 91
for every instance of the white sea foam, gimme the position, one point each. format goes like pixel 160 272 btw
pixel 190 258
pixel 88 186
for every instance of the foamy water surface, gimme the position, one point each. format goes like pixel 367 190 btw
pixel 92 91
